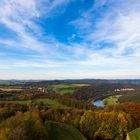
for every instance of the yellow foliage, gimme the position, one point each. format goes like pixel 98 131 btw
pixel 5 134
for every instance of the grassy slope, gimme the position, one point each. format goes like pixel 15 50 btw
pixel 111 100
pixel 11 84
pixel 135 134
pixel 58 131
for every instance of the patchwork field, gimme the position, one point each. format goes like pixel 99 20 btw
pixel 67 88
pixel 10 89
pixel 15 85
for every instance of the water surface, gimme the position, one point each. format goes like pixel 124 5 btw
pixel 98 103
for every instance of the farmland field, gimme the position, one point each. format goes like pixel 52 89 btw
pixel 67 88
pixel 10 89
pixel 15 85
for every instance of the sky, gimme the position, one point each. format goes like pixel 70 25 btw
pixel 66 39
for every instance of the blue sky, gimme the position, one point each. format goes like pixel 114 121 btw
pixel 65 39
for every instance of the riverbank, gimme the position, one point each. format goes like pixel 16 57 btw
pixel 111 100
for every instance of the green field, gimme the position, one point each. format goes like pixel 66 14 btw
pixel 11 84
pixel 67 88
pixel 59 131
pixel 112 100
pixel 45 102
pixel 135 134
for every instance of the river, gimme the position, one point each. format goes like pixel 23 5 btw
pixel 99 103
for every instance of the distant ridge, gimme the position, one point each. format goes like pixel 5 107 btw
pixel 126 81
pixel 122 81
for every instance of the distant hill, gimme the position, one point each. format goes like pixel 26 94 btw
pixel 58 131
pixel 125 81
pixel 122 81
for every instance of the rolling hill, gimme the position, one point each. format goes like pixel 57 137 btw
pixel 58 131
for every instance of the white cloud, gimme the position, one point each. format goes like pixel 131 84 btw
pixel 125 74
pixel 118 26
pixel 19 15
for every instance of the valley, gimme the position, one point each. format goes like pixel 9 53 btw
pixel 75 106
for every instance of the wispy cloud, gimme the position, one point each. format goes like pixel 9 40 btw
pixel 117 27
pixel 109 33
pixel 19 17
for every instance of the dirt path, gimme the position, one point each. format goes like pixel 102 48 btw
pixel 127 137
